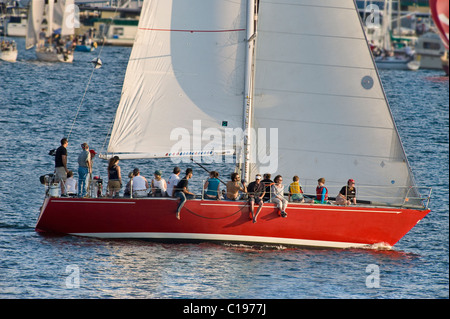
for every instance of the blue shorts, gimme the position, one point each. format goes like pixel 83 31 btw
pixel 298 197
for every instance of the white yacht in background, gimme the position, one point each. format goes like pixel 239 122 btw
pixel 8 50
pixel 430 49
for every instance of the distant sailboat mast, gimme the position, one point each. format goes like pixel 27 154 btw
pixel 49 15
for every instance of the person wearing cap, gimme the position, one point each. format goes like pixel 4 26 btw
pixel 256 191
pixel 84 169
pixel 347 194
pixel 159 185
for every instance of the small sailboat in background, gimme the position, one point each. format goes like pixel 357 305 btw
pixel 389 59
pixel 8 50
pixel 396 62
pixel 85 47
pixel 50 29
pixel 85 43
pixel 252 67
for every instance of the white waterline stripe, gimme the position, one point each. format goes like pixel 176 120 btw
pixel 221 237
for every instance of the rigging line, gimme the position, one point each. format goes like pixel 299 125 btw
pixel 81 103
pixel 207 170
pixel 192 31
pixel 90 77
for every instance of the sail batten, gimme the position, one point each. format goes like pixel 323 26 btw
pixel 319 64
pixel 321 94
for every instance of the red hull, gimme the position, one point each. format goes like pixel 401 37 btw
pixel 306 225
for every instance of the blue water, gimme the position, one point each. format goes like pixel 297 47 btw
pixel 38 102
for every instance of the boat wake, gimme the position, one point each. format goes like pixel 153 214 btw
pixel 241 246
pixel 378 246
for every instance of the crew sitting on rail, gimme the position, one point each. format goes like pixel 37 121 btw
pixel 321 192
pixel 267 182
pixel 234 187
pixel 159 185
pixel 296 191
pixel 347 194
pixel 212 186
pixel 140 184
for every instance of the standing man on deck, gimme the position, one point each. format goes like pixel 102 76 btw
pixel 84 169
pixel 61 165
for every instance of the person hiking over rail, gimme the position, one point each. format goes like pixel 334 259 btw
pixel 182 192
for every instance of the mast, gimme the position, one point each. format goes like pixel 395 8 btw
pixel 248 93
pixel 49 15
pixel 387 20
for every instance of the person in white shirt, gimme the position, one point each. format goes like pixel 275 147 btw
pixel 159 185
pixel 173 181
pixel 71 184
pixel 140 184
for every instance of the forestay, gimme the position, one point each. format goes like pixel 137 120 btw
pixel 187 64
pixel 315 81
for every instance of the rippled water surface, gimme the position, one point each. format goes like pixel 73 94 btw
pixel 38 102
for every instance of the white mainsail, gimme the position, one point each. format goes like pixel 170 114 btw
pixel 316 83
pixel 63 17
pixel 35 17
pixel 186 69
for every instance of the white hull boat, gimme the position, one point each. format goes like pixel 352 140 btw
pixel 8 55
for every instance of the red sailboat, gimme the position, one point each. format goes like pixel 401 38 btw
pixel 287 88
pixel 205 220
